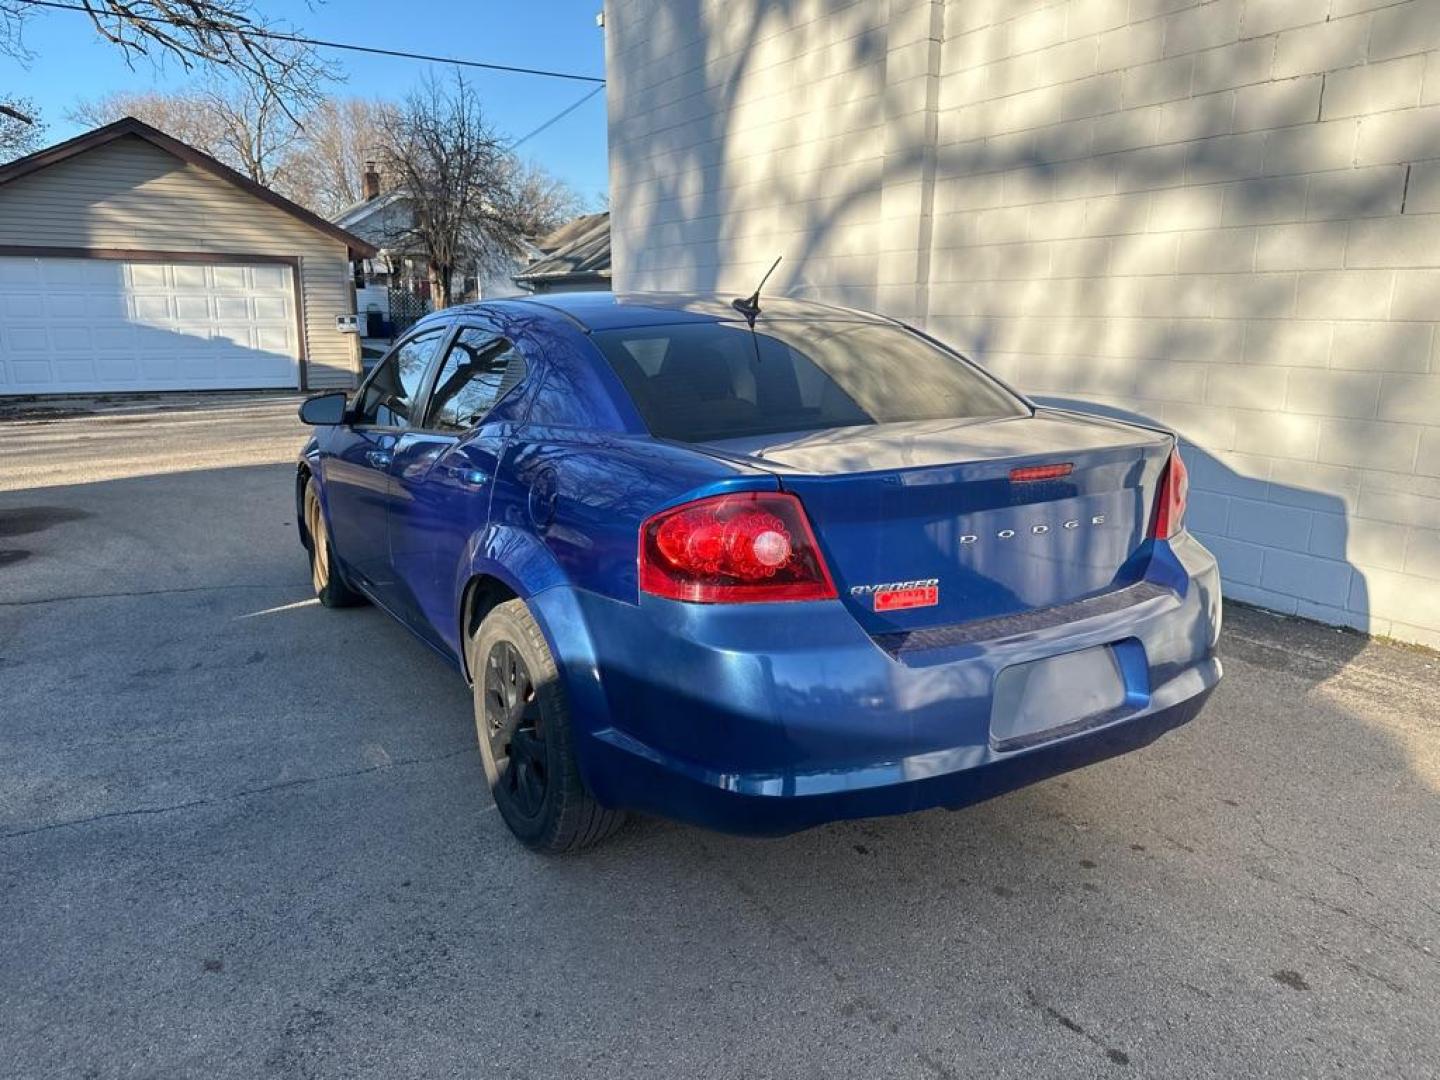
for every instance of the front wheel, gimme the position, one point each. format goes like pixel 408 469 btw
pixel 330 587
pixel 526 744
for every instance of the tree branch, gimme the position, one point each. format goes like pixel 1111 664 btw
pixel 225 34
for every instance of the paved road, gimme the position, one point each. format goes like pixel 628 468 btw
pixel 242 836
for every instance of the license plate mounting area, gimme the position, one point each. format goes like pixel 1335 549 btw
pixel 1054 696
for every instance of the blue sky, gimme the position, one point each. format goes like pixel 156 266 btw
pixel 71 64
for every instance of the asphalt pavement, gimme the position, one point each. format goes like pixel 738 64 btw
pixel 244 836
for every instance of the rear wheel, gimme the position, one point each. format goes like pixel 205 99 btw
pixel 523 722
pixel 330 587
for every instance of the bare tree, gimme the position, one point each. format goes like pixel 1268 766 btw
pixel 543 202
pixel 182 115
pixel 212 34
pixel 21 129
pixel 459 179
pixel 241 123
pixel 324 168
pixel 318 162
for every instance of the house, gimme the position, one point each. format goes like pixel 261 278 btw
pixel 131 261
pixel 385 219
pixel 575 258
pixel 1219 217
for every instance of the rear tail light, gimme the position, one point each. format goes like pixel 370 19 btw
pixel 1170 505
pixel 1028 474
pixel 733 549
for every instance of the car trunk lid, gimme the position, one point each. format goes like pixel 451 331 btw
pixel 922 524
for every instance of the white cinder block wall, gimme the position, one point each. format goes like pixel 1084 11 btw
pixel 1222 216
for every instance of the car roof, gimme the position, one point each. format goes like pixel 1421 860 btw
pixel 613 311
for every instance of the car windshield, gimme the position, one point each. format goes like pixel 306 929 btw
pixel 700 382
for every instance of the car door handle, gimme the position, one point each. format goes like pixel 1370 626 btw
pixel 379 459
pixel 466 476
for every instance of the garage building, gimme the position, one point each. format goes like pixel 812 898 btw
pixel 130 261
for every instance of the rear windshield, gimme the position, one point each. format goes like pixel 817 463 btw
pixel 699 382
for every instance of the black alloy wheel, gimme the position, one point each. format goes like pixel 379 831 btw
pixel 527 744
pixel 514 724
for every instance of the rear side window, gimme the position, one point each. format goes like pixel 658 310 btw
pixel 479 370
pixel 393 390
pixel 700 382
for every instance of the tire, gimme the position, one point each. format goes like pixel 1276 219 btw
pixel 325 578
pixel 536 780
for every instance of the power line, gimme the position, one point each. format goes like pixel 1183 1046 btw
pixel 319 43
pixel 556 118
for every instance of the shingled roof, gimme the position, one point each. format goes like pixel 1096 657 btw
pixel 579 251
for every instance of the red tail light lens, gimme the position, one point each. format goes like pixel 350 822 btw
pixel 1028 474
pixel 734 549
pixel 1170 505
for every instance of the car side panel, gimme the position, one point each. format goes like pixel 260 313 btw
pixel 585 494
pixel 355 468
pixel 443 484
pixel 441 499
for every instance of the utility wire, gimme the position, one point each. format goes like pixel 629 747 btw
pixel 556 118
pixel 275 35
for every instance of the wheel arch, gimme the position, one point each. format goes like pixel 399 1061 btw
pixel 303 472
pixel 483 593
pixel 521 567
pixel 507 564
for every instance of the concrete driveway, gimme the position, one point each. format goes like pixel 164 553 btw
pixel 244 836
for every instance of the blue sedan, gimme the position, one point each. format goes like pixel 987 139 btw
pixel 756 571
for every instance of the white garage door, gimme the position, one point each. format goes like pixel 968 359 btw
pixel 88 325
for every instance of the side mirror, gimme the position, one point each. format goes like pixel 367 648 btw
pixel 324 409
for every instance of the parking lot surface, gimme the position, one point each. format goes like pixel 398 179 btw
pixel 244 836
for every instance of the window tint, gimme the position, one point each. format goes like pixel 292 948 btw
pixel 698 382
pixel 394 388
pixel 479 370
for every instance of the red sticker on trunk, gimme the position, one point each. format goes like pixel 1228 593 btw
pixel 895 599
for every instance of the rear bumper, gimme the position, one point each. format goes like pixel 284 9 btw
pixel 764 805
pixel 771 718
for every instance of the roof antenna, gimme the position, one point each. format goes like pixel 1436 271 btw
pixel 749 306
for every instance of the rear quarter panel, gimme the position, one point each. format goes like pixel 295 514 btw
pixel 584 494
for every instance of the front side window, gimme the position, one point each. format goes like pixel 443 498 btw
pixel 698 382
pixel 479 370
pixel 394 389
